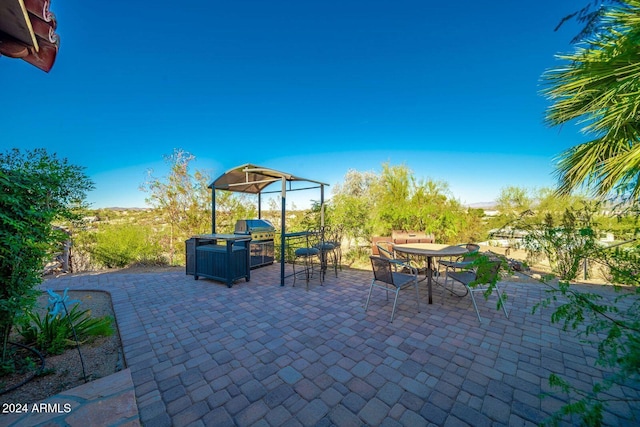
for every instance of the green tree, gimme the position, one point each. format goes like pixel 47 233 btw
pixel 36 189
pixel 473 227
pixel 600 86
pixel 548 201
pixel 391 197
pixel 533 206
pixel 513 201
pixel 182 198
pixel 352 203
pixel 435 211
pixel 230 207
pixel 368 204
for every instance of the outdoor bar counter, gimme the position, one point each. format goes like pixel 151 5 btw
pixel 221 257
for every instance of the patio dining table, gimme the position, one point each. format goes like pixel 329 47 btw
pixel 430 251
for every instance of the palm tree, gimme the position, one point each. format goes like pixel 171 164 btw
pixel 600 86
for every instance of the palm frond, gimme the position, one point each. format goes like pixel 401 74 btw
pixel 599 86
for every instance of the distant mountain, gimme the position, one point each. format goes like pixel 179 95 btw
pixel 116 208
pixel 482 205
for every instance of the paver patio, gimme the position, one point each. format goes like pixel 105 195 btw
pixel 258 354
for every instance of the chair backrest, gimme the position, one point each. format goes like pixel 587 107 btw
pixel 472 253
pixel 374 243
pixel 313 237
pixel 382 270
pixel 385 249
pixel 334 234
pixel 472 247
pixel 324 231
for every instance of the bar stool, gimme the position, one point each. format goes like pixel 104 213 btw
pixel 306 256
pixel 327 249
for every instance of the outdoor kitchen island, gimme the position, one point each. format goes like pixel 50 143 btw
pixel 253 179
pixel 221 257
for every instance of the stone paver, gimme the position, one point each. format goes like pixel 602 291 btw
pixel 259 354
pixel 106 402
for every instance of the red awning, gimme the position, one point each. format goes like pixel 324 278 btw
pixel 27 31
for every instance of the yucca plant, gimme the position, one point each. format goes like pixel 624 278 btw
pixel 52 333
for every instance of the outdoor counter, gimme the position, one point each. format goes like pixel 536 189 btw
pixel 221 257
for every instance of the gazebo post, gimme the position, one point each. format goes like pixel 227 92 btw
pixel 213 210
pixel 283 220
pixel 322 207
pixel 259 205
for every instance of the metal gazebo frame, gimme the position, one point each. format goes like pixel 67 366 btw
pixel 253 179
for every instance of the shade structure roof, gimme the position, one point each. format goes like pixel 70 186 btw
pixel 249 178
pixel 27 31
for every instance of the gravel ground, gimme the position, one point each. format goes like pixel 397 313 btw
pixel 102 357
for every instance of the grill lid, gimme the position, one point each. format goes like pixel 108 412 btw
pixel 248 226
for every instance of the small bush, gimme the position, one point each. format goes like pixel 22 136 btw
pixel 116 246
pixel 358 257
pixel 16 363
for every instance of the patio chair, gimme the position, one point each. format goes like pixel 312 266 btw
pixel 478 280
pixel 386 276
pixel 306 256
pixel 460 263
pixel 386 251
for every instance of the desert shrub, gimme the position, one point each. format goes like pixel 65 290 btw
pixel 358 256
pixel 565 245
pixel 36 189
pixel 124 244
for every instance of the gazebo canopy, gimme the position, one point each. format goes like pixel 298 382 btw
pixel 253 179
pixel 249 178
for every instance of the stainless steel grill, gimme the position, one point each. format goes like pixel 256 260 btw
pixel 261 246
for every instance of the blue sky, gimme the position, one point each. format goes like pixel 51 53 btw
pixel 313 88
